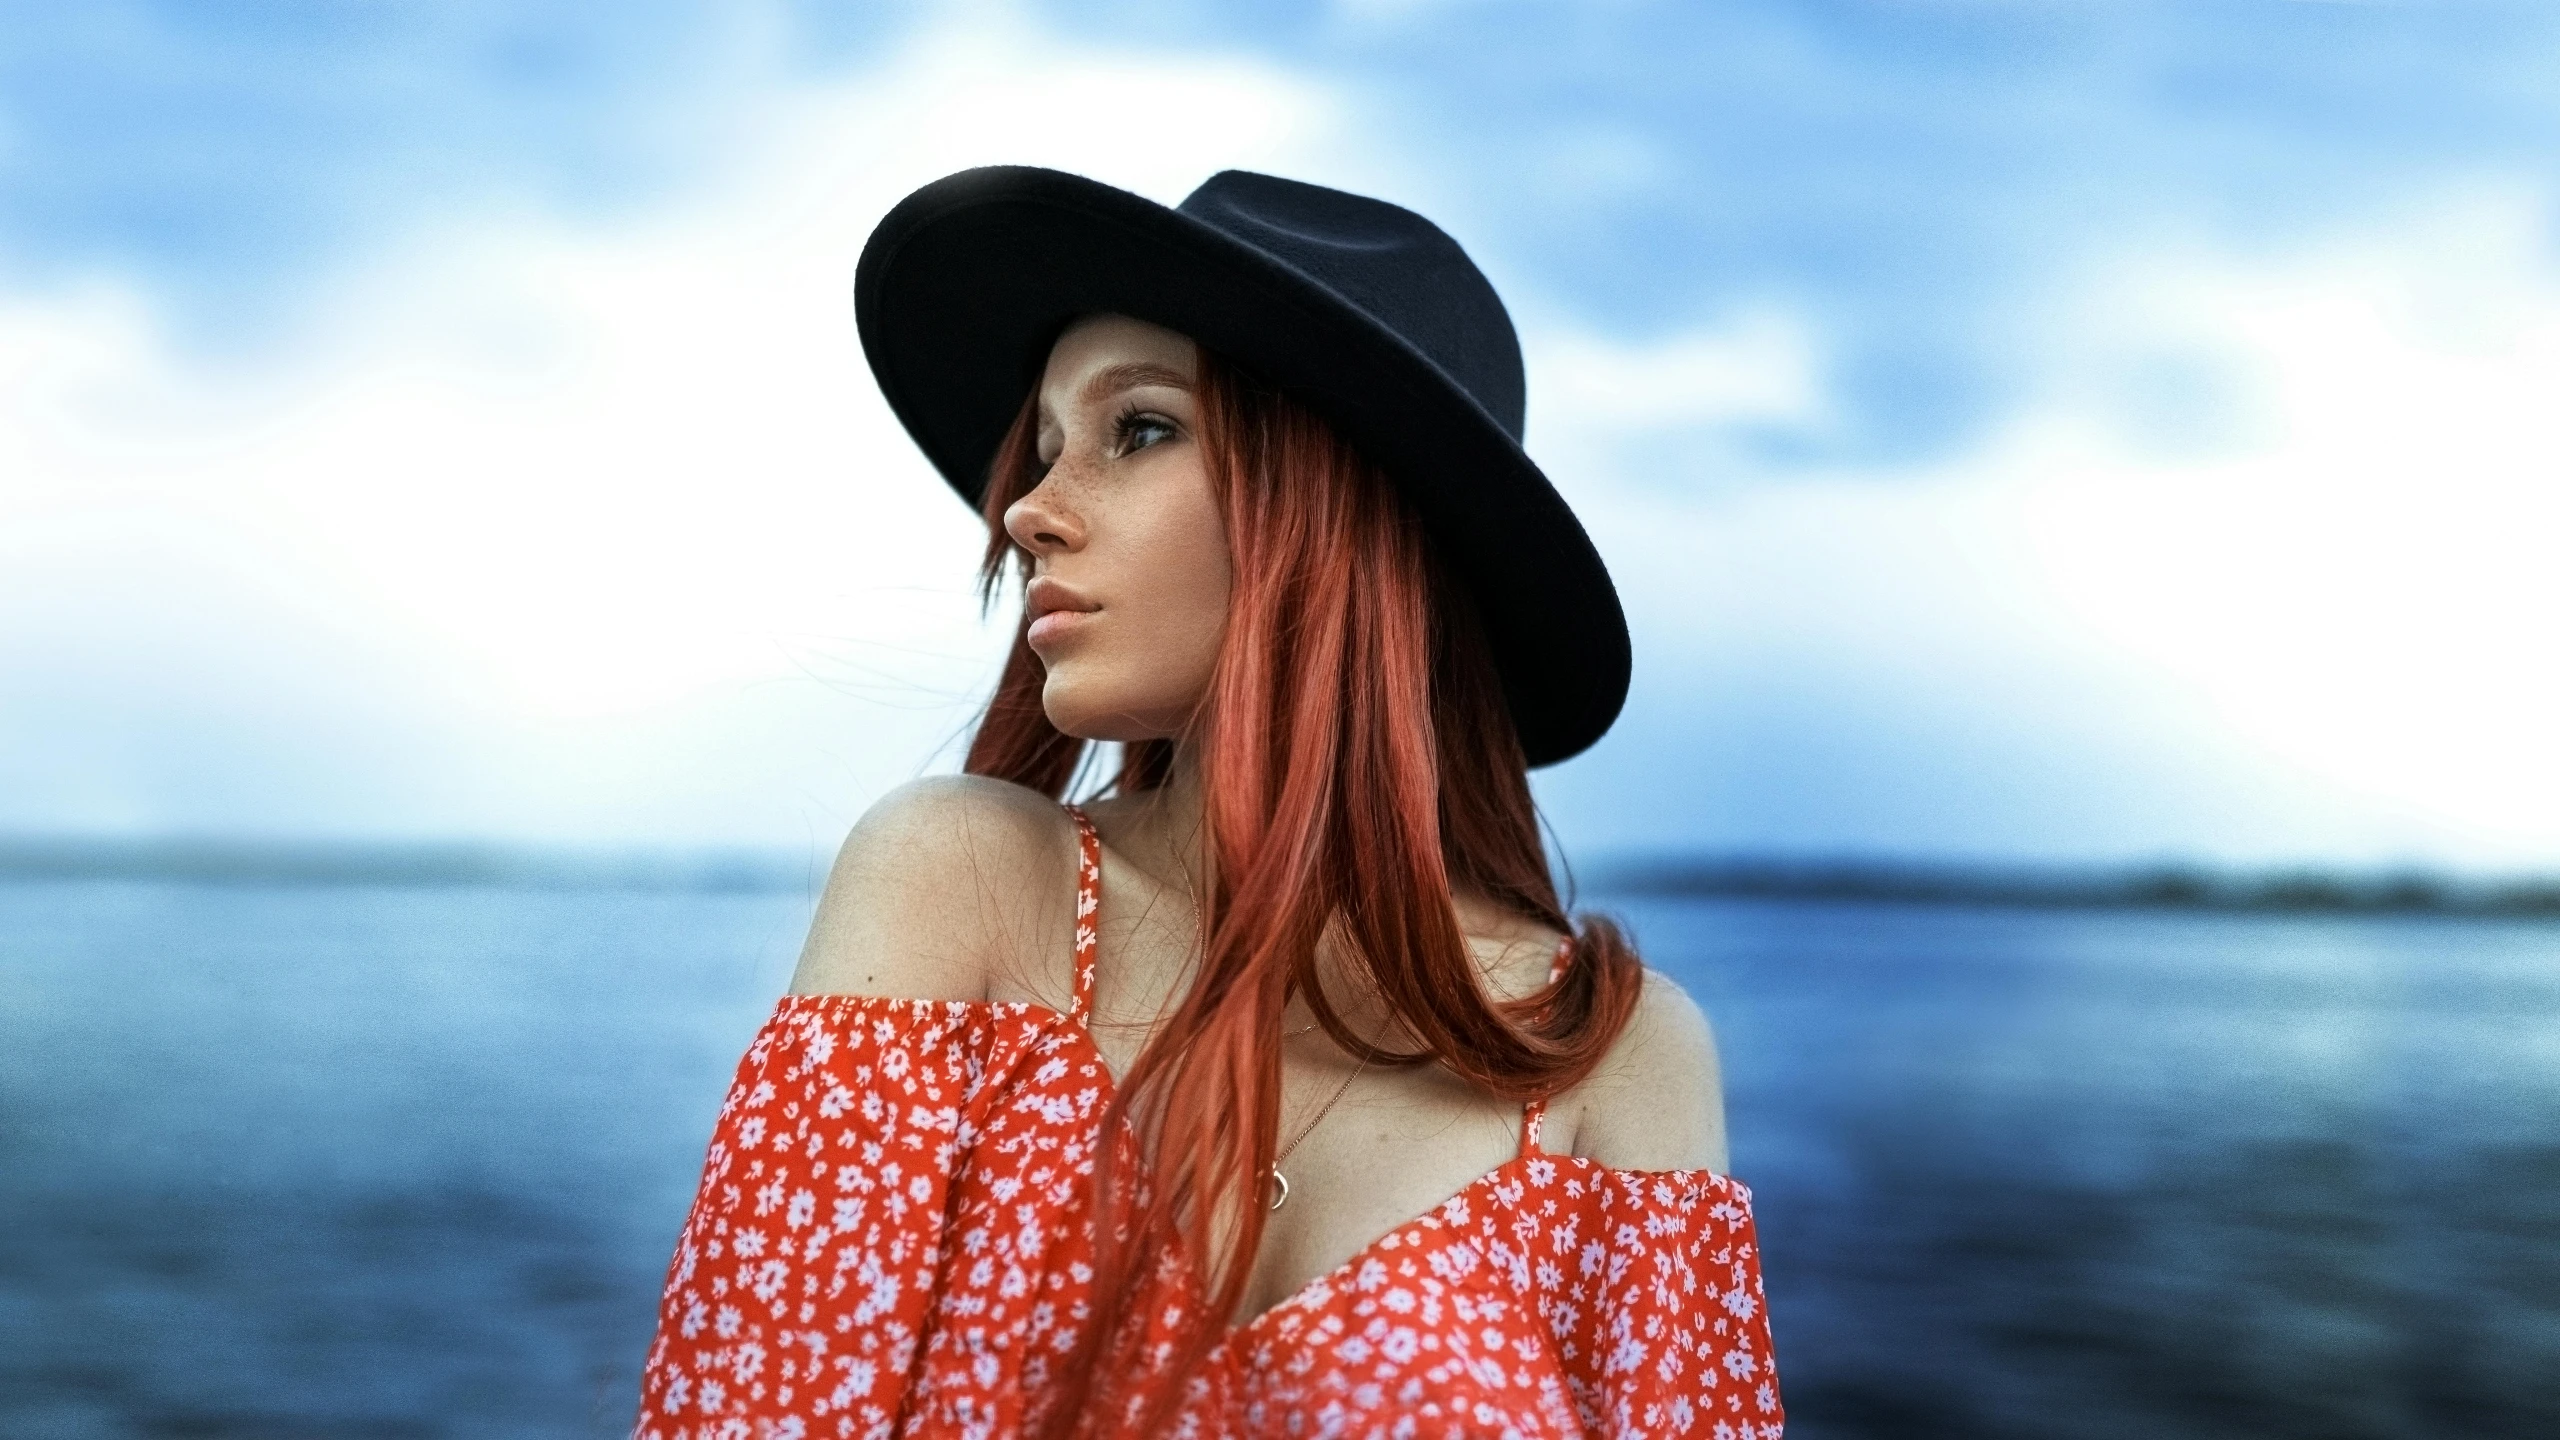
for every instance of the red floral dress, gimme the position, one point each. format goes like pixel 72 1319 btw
pixel 893 1234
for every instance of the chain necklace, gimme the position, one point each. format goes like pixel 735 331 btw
pixel 1280 1182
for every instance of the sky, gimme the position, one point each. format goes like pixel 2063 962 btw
pixel 2019 429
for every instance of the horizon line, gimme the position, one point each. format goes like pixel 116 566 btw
pixel 2155 884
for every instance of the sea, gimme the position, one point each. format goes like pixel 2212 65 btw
pixel 283 1161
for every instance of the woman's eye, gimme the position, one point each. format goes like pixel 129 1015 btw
pixel 1137 432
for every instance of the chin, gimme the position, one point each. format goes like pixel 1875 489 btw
pixel 1087 710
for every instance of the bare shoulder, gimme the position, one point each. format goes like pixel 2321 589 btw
pixel 1657 1100
pixel 1516 955
pixel 935 887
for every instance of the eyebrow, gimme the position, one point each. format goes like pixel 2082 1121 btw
pixel 1112 378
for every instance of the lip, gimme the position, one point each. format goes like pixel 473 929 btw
pixel 1048 628
pixel 1056 608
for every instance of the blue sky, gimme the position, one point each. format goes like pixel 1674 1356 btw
pixel 2019 428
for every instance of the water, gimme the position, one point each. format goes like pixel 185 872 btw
pixel 383 1162
pixel 2098 1175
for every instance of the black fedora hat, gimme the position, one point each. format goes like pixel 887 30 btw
pixel 1365 311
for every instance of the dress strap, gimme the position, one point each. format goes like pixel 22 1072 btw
pixel 1088 914
pixel 1536 1110
pixel 1529 1118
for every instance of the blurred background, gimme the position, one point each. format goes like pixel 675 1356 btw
pixel 2073 470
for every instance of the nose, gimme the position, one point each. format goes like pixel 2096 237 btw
pixel 1042 523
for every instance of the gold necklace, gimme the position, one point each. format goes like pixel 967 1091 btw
pixel 1280 1195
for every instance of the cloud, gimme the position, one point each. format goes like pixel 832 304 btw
pixel 1759 371
pixel 222 156
pixel 1916 180
pixel 2311 624
pixel 2362 584
pixel 533 519
pixel 547 527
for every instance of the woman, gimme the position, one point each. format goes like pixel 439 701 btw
pixel 1272 1093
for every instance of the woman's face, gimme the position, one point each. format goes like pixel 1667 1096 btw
pixel 1128 553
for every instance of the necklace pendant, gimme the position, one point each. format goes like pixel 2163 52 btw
pixel 1280 1191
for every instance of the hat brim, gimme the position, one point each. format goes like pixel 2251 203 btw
pixel 965 285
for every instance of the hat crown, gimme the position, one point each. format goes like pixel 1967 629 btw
pixel 1398 268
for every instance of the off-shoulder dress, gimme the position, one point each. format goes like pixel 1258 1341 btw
pixel 893 1237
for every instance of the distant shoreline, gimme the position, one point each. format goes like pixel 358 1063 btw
pixel 2291 890
pixel 416 865
pixel 2275 890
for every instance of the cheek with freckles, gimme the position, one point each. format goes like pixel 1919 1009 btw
pixel 1158 558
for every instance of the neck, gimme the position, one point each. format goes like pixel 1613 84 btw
pixel 1163 831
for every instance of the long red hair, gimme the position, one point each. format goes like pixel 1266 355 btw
pixel 1357 766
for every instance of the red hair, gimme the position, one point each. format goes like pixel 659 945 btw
pixel 1357 765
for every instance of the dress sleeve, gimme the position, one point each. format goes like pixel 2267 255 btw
pixel 802 1280
pixel 1664 1327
